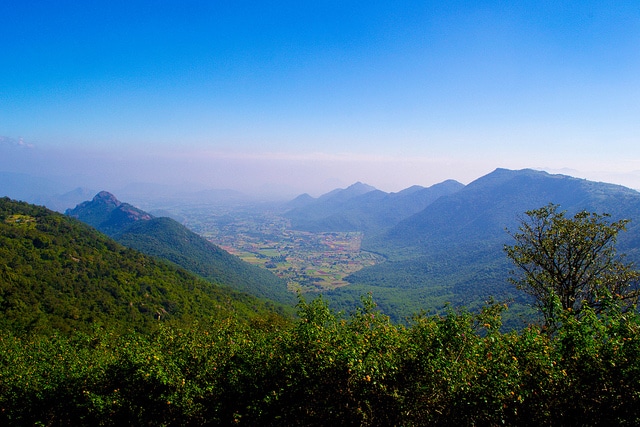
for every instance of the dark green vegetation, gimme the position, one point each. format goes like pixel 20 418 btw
pixel 455 369
pixel 95 357
pixel 571 263
pixel 452 250
pixel 167 239
pixel 59 274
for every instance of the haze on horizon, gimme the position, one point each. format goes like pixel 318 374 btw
pixel 310 96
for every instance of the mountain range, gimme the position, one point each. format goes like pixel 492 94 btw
pixel 482 210
pixel 361 207
pixel 451 251
pixel 442 244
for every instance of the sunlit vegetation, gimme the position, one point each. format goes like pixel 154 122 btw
pixel 95 334
pixel 322 369
pixel 59 274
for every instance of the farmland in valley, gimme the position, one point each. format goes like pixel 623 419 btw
pixel 308 261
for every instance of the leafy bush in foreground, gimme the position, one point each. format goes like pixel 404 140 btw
pixel 327 369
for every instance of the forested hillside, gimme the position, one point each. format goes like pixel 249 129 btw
pixel 323 369
pixel 452 251
pixel 167 239
pixel 57 273
pixel 482 210
pixel 95 334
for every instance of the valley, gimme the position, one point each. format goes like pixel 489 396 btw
pixel 441 245
pixel 308 261
pixel 114 313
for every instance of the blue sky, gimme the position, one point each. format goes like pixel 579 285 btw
pixel 313 95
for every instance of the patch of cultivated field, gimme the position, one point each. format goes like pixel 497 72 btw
pixel 308 261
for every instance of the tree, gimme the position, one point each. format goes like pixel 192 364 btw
pixel 572 262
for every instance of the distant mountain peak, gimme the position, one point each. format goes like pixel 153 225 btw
pixel 106 198
pixel 361 207
pixel 300 201
pixel 340 195
pixel 106 213
pixel 360 187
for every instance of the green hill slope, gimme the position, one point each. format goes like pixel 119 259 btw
pixel 57 273
pixel 168 239
pixel 452 251
pixel 482 210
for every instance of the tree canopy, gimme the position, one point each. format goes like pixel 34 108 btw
pixel 57 274
pixel 571 262
pixel 320 368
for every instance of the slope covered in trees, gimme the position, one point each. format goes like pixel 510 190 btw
pixel 167 239
pixel 452 251
pixel 170 240
pixel 60 274
pixel 113 364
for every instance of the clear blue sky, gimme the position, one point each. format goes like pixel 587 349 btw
pixel 318 94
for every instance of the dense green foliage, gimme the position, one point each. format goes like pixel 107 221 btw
pixel 80 344
pixel 59 274
pixel 452 251
pixel 324 369
pixel 170 240
pixel 572 262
